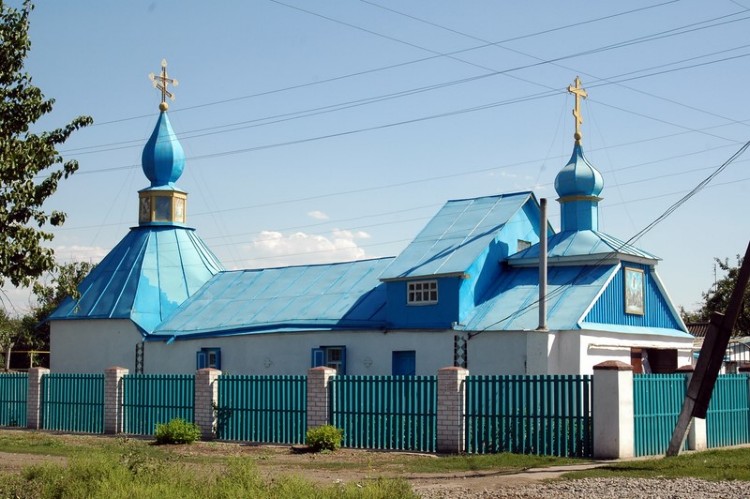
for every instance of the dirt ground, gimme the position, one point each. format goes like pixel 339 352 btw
pixel 344 465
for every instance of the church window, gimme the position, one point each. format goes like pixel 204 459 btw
pixel 333 357
pixel 163 211
pixel 208 357
pixel 422 293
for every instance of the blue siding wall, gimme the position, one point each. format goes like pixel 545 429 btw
pixel 441 315
pixel 610 308
pixel 486 269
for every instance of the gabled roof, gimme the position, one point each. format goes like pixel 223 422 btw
pixel 513 304
pixel 453 239
pixel 150 272
pixel 307 297
pixel 571 293
pixel 584 246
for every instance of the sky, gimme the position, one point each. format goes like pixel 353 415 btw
pixel 320 131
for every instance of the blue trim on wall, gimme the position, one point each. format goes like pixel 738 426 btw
pixel 610 307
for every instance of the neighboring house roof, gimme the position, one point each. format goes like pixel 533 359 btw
pixel 345 295
pixel 698 329
pixel 582 246
pixel 150 272
pixel 452 239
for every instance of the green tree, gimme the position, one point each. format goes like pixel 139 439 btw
pixel 717 299
pixel 58 284
pixel 30 166
pixel 10 329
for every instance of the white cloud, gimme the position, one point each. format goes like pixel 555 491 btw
pixel 317 215
pixel 93 254
pixel 274 249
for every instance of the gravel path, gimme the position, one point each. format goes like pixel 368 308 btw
pixel 687 488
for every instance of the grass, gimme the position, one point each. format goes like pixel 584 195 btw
pixel 730 464
pixel 134 472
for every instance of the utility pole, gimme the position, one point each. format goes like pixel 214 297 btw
pixel 710 359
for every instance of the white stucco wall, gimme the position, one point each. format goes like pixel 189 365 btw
pixel 91 346
pixel 367 353
pixel 497 352
pixel 597 346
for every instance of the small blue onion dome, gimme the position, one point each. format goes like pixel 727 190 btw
pixel 578 177
pixel 163 158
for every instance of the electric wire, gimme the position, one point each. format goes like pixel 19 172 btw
pixel 588 269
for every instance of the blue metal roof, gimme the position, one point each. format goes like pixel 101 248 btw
pixel 453 239
pixel 512 304
pixel 308 297
pixel 582 245
pixel 150 272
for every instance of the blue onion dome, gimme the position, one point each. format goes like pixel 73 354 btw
pixel 163 158
pixel 578 177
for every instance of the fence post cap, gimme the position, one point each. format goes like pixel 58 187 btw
pixel 116 368
pixel 688 368
pixel 613 365
pixel 452 368
pixel 209 370
pixel 321 369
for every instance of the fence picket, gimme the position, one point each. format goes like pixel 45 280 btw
pixel 548 415
pixel 268 409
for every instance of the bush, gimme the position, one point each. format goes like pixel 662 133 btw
pixel 177 431
pixel 325 437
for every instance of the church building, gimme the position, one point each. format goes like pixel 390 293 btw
pixel 465 292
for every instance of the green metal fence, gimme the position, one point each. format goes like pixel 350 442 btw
pixel 728 417
pixel 268 409
pixel 386 412
pixel 13 390
pixel 73 402
pixel 546 415
pixel 657 401
pixel 150 399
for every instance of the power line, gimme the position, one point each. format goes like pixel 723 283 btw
pixel 588 269
pixel 384 68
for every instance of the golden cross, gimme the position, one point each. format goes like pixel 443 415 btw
pixel 579 92
pixel 161 82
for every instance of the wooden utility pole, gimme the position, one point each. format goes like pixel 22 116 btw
pixel 710 359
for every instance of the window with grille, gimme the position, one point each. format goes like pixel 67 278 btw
pixel 422 293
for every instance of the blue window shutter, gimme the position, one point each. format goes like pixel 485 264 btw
pixel 218 358
pixel 318 357
pixel 404 363
pixel 343 361
pixel 200 360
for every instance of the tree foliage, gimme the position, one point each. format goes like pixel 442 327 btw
pixel 717 299
pixel 60 283
pixel 30 166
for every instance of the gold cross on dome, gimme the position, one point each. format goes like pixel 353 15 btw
pixel 161 82
pixel 579 93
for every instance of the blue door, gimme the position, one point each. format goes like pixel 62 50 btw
pixel 404 363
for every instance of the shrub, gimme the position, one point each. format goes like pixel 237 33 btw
pixel 177 431
pixel 325 437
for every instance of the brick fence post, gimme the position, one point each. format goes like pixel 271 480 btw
pixel 317 395
pixel 614 425
pixel 34 398
pixel 451 402
pixel 206 399
pixel 696 437
pixel 113 421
